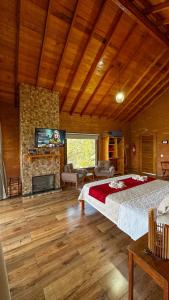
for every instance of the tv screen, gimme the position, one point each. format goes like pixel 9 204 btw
pixel 45 137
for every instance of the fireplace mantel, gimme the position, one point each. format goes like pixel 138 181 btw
pixel 31 157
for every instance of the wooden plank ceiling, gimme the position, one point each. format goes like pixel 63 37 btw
pixel 86 50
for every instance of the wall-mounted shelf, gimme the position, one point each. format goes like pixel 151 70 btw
pixel 38 156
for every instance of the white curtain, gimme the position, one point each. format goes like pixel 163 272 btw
pixel 3 181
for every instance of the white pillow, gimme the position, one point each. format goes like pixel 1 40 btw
pixel 163 219
pixel 164 205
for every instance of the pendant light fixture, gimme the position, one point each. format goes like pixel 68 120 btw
pixel 120 96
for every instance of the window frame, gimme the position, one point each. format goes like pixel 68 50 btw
pixel 84 136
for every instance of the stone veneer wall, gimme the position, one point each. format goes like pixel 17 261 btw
pixel 39 108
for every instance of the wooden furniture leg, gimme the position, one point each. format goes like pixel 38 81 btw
pixel 131 269
pixel 82 204
pixel 166 291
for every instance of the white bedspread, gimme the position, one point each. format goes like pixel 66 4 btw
pixel 128 209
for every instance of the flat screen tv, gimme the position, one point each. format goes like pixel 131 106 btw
pixel 49 138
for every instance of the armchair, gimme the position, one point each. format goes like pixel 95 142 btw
pixel 104 169
pixel 73 175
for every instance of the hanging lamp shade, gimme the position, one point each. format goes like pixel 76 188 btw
pixel 120 97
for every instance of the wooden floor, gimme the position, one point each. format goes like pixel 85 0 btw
pixel 52 252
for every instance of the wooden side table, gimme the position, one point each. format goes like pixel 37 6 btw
pixel 89 176
pixel 155 267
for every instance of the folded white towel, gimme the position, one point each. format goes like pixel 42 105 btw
pixel 139 178
pixel 115 184
pixel 164 205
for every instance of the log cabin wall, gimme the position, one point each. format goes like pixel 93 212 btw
pixel 154 120
pixel 87 124
pixel 78 48
pixel 9 119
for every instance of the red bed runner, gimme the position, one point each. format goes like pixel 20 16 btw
pixel 100 192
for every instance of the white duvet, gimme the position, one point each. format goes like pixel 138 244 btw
pixel 128 209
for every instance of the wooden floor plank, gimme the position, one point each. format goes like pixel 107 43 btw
pixel 53 252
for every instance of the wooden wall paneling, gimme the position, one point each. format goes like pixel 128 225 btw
pixel 146 83
pixel 162 86
pixel 43 41
pixel 128 100
pixel 134 56
pixel 68 37
pixel 112 104
pixel 18 22
pixel 33 17
pixel 155 84
pixel 8 50
pixel 108 70
pixel 9 119
pixel 152 99
pixel 165 21
pixel 131 9
pixel 152 120
pixel 84 51
pixel 157 7
pixel 97 59
pixel 145 4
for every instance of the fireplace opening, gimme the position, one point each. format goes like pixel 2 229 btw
pixel 43 183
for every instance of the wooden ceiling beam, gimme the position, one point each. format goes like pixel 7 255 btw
pixel 129 8
pixel 99 55
pixel 165 21
pixel 157 8
pixel 145 3
pixel 130 60
pixel 68 37
pixel 154 98
pixel 163 85
pixel 153 87
pixel 17 51
pixel 109 69
pixel 43 42
pixel 129 99
pixel 84 51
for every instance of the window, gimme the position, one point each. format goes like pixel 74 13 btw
pixel 82 150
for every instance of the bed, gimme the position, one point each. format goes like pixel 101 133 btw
pixel 128 209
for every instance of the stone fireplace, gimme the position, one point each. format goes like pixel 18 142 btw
pixel 43 183
pixel 39 108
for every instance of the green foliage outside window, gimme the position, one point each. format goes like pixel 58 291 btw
pixel 81 152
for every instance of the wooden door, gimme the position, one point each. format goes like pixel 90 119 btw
pixel 148 154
